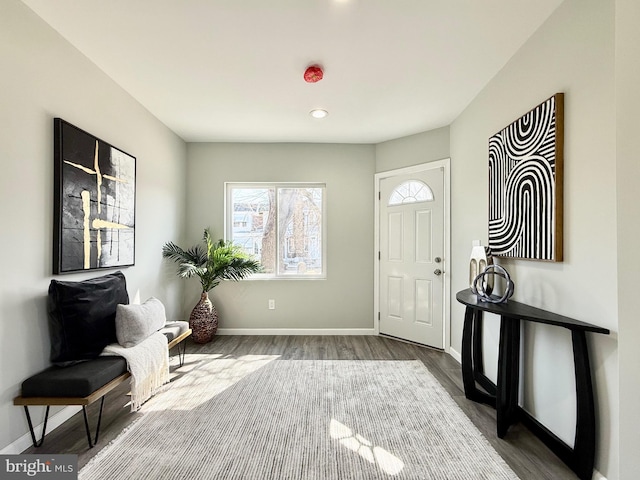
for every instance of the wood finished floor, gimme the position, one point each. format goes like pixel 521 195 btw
pixel 526 455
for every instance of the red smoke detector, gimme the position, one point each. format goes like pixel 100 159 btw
pixel 313 74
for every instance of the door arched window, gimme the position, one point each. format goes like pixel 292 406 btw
pixel 411 191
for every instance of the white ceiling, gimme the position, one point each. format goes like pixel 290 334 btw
pixel 232 70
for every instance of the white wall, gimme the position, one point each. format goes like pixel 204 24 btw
pixel 345 299
pixel 573 52
pixel 44 77
pixel 628 202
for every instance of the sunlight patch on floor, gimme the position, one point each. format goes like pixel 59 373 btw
pixel 216 371
pixel 388 463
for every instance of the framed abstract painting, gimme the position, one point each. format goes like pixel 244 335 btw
pixel 525 185
pixel 94 202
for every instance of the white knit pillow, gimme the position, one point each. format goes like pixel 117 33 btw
pixel 134 323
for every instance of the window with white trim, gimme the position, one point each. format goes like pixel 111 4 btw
pixel 282 224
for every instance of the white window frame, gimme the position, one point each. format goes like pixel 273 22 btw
pixel 228 224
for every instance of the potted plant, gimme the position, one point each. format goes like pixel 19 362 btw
pixel 212 263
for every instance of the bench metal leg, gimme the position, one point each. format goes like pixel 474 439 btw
pixel 86 424
pixel 36 443
pixel 181 353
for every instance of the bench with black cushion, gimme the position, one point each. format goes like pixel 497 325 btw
pixel 76 381
pixel 79 375
pixel 79 384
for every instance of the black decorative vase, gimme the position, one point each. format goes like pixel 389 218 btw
pixel 203 320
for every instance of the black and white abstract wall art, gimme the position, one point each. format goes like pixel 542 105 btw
pixel 94 202
pixel 525 185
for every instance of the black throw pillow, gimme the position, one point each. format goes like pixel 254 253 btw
pixel 82 316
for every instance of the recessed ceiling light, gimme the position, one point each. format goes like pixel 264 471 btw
pixel 318 113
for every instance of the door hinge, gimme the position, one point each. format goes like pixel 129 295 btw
pixel 379 256
pixel 379 195
pixel 378 316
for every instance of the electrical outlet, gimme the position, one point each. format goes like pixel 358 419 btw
pixel 272 304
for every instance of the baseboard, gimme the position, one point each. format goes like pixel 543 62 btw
pixel 296 331
pixel 24 442
pixel 456 356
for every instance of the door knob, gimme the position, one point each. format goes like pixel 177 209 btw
pixel 437 259
pixel 437 271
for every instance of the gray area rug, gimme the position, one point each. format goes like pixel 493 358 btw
pixel 261 418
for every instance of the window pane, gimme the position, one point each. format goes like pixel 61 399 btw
pixel 253 224
pixel 280 224
pixel 300 231
pixel 411 191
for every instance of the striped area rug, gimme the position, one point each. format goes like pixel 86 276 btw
pixel 262 418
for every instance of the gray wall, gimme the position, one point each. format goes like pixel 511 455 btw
pixel 413 150
pixel 345 299
pixel 628 216
pixel 573 52
pixel 44 77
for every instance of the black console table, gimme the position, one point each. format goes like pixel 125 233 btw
pixel 503 395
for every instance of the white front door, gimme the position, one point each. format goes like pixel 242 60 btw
pixel 411 271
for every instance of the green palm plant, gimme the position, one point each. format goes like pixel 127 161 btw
pixel 212 263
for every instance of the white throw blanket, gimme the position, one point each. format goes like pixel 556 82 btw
pixel 148 363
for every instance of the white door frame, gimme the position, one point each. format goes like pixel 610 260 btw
pixel 446 300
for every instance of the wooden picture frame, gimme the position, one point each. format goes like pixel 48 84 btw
pixel 94 202
pixel 526 164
